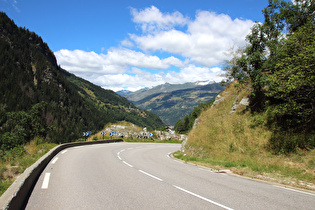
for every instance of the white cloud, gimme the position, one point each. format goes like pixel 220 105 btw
pixel 151 19
pixel 194 52
pixel 116 61
pixel 204 42
pixel 141 78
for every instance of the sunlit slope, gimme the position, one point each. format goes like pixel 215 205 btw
pixel 239 141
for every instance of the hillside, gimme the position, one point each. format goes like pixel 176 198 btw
pixel 37 100
pixel 115 106
pixel 228 136
pixel 173 101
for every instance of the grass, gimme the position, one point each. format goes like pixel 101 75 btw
pixel 239 141
pixel 14 162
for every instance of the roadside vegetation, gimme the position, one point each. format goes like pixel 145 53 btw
pixel 240 142
pixel 185 125
pixel 15 161
pixel 273 138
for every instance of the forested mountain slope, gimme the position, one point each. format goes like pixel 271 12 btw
pixel 38 100
pixel 174 101
pixel 115 106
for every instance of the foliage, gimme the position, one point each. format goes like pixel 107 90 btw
pixel 17 159
pixel 38 100
pixel 184 126
pixel 278 63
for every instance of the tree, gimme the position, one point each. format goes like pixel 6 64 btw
pixel 291 94
pixel 279 66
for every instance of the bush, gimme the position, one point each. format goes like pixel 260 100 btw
pixel 286 142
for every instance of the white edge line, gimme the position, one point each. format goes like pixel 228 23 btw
pixel 127 164
pixel 46 181
pixel 151 175
pixel 54 160
pixel 203 198
pixel 294 190
pixel 179 161
pixel 64 151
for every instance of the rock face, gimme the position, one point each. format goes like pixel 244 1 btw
pixel 243 102
pixel 217 100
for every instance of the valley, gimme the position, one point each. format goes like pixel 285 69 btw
pixel 173 101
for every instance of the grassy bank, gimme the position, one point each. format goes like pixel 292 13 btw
pixel 239 141
pixel 14 162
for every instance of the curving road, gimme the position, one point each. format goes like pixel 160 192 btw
pixel 143 176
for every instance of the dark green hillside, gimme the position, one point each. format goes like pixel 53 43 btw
pixel 119 108
pixel 37 99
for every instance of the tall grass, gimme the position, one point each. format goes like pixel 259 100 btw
pixel 239 141
pixel 15 161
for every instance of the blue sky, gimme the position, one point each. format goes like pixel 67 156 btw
pixel 130 44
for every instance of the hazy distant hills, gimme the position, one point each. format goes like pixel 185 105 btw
pixel 173 101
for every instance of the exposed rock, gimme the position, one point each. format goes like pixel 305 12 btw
pixel 244 102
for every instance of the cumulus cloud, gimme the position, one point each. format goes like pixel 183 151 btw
pixel 191 48
pixel 152 19
pixel 139 78
pixel 116 61
pixel 205 42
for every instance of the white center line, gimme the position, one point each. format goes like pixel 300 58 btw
pixel 127 164
pixel 151 175
pixel 46 181
pixel 54 160
pixel 203 198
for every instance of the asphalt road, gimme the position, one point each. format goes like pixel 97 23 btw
pixel 143 176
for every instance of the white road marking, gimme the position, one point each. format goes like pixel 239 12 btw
pixel 46 181
pixel 118 155
pixel 203 198
pixel 54 160
pixel 151 175
pixel 294 190
pixel 64 151
pixel 127 164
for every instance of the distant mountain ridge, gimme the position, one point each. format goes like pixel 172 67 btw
pixel 173 101
pixel 166 87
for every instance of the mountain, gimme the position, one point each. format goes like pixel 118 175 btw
pixel 115 106
pixel 124 93
pixel 39 99
pixel 174 101
pixel 167 87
